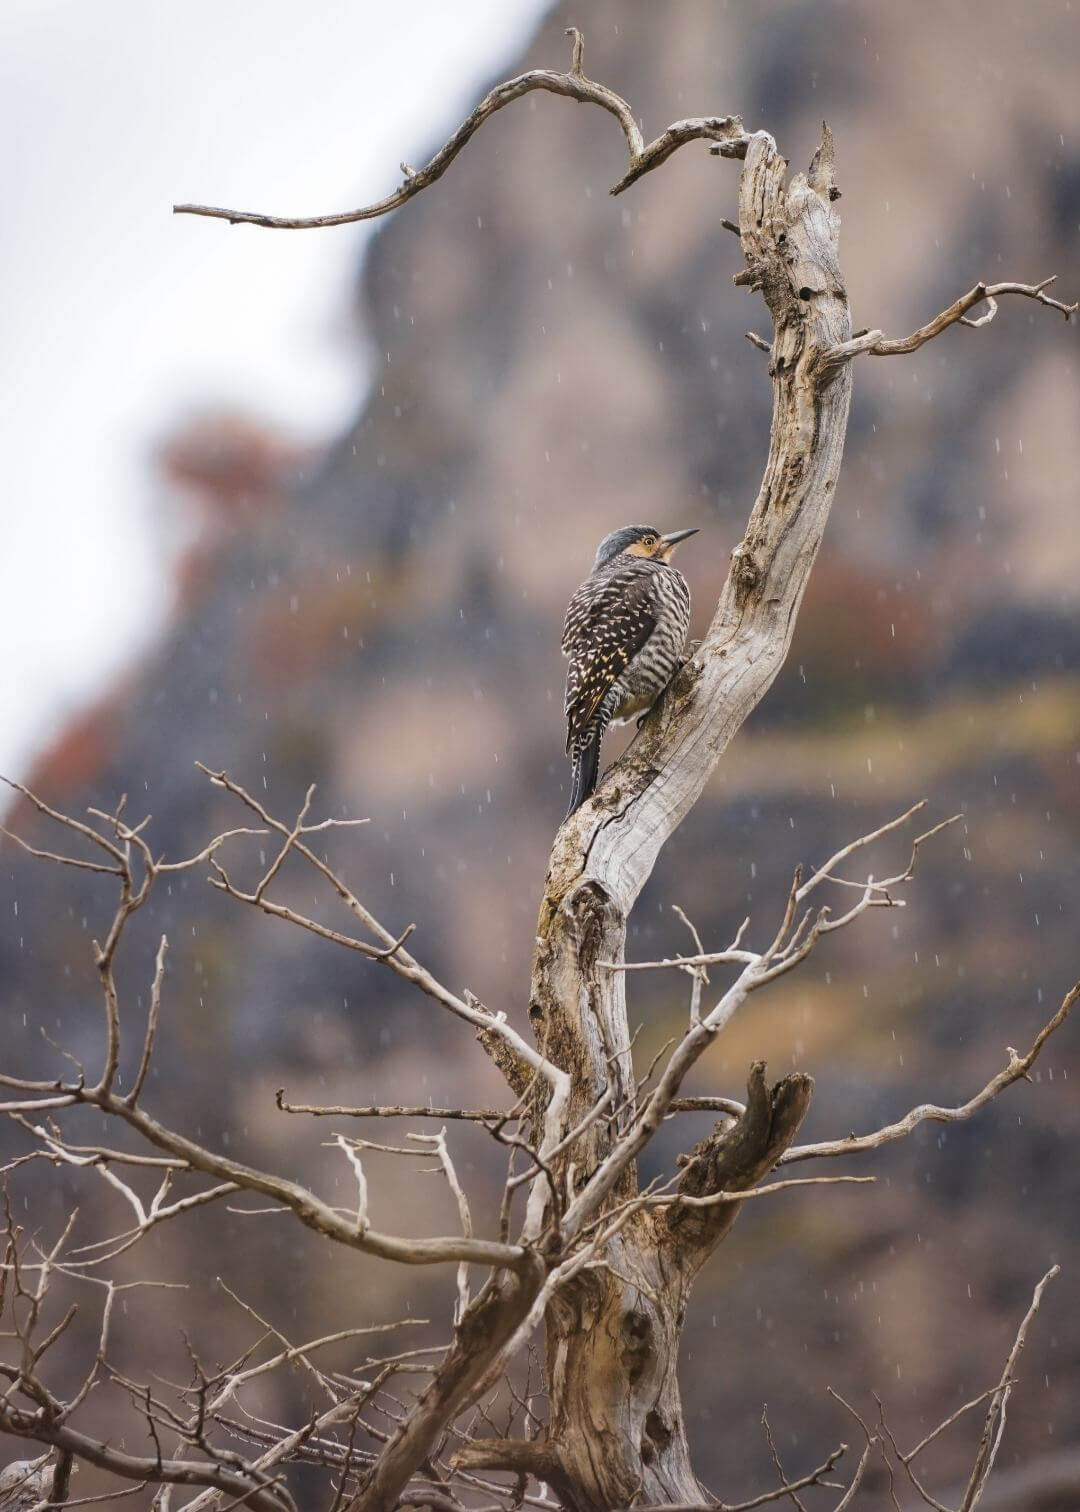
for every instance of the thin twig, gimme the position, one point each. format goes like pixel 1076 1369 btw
pixel 458 1191
pixel 391 1110
pixel 814 1478
pixel 1016 1070
pixel 151 1021
pixel 796 1499
pixel 994 1426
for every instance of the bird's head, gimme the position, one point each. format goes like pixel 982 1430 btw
pixel 639 541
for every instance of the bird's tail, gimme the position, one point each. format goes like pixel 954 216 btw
pixel 586 763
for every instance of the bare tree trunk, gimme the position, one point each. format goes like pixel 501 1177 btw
pixel 613 1342
pixel 613 1338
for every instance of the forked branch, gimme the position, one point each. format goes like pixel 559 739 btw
pixel 993 1425
pixel 874 343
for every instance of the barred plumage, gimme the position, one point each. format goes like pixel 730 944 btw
pixel 625 631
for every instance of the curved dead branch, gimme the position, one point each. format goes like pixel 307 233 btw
pixel 573 85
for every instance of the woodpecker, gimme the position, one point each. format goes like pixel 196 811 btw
pixel 624 635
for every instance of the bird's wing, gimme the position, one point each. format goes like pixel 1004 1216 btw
pixel 607 623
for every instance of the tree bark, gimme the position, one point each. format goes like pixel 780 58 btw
pixel 617 1430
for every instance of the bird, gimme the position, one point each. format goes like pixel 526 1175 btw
pixel 625 630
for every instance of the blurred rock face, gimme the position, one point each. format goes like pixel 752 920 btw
pixel 384 620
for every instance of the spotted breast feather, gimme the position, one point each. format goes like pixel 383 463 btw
pixel 608 622
pixel 624 634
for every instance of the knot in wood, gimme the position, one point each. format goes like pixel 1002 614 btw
pixel 578 1303
pixel 637 1346
pixel 746 571
pixel 594 916
pixel 656 1437
pixel 751 277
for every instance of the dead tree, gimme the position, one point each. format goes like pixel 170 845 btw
pixel 578 1249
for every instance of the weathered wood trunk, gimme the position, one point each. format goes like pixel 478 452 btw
pixel 613 1346
pixel 617 1434
pixel 617 1431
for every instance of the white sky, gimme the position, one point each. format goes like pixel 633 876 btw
pixel 119 318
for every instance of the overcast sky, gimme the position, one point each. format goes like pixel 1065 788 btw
pixel 119 319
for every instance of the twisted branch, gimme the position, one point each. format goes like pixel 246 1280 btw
pixel 574 85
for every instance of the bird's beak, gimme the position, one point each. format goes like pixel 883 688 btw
pixel 673 537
